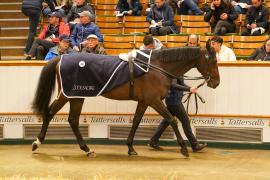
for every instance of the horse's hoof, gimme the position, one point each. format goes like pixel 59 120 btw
pixel 132 153
pixel 91 154
pixel 34 146
pixel 184 152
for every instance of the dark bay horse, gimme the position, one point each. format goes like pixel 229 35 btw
pixel 149 90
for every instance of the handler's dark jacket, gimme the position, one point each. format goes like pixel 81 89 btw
pixel 223 8
pixel 175 93
pixel 259 16
pixel 36 4
pixel 260 54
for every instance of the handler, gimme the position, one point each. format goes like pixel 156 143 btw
pixel 174 104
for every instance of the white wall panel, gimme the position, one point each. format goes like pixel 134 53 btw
pixel 243 90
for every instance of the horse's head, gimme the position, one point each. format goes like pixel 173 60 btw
pixel 208 67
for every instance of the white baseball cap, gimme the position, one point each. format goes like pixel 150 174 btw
pixel 92 36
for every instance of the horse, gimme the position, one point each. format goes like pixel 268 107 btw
pixel 174 61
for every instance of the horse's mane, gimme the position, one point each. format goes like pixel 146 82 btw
pixel 175 54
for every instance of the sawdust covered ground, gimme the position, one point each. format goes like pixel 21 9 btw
pixel 112 162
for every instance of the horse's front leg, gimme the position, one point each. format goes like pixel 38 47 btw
pixel 46 118
pixel 73 119
pixel 163 111
pixel 141 107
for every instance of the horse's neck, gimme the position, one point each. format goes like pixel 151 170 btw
pixel 177 68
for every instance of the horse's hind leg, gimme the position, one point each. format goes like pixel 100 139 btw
pixel 73 119
pixel 53 109
pixel 163 111
pixel 141 107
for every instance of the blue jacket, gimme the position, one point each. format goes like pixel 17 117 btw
pixel 175 95
pixel 36 4
pixel 164 14
pixel 53 52
pixel 81 31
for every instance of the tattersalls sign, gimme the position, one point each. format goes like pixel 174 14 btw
pixel 147 119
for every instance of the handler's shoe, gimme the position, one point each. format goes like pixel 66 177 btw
pixel 198 147
pixel 155 146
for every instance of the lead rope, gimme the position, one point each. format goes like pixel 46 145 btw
pixel 196 96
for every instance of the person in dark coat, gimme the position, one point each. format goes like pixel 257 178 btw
pixel 223 14
pixel 32 9
pixel 256 22
pixel 133 7
pixel 73 14
pixel 176 108
pixel 261 54
pixel 161 19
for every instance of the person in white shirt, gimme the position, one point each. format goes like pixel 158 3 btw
pixel 223 53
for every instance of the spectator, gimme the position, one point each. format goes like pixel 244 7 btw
pixel 73 16
pixel 150 43
pixel 83 30
pixel 256 22
pixel 223 15
pixel 60 5
pixel 130 7
pixel 241 6
pixel 223 53
pixel 186 7
pixel 161 19
pixel 93 46
pixel 62 48
pixel 49 37
pixel 193 40
pixel 32 9
pixel 261 54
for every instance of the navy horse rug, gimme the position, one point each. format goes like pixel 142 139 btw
pixel 86 75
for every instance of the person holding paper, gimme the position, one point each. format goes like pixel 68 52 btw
pixel 128 7
pixel 256 22
pixel 241 6
pixel 161 19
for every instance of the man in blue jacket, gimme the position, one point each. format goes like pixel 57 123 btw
pixel 161 19
pixel 32 9
pixel 83 30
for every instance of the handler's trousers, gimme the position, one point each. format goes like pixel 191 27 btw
pixel 180 112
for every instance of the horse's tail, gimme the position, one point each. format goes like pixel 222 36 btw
pixel 45 87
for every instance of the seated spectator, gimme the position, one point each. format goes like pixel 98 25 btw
pixel 161 19
pixel 223 15
pixel 83 30
pixel 241 6
pixel 92 45
pixel 223 53
pixel 186 7
pixel 129 7
pixel 150 43
pixel 261 54
pixel 62 48
pixel 193 40
pixel 73 16
pixel 256 22
pixel 49 37
pixel 59 6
